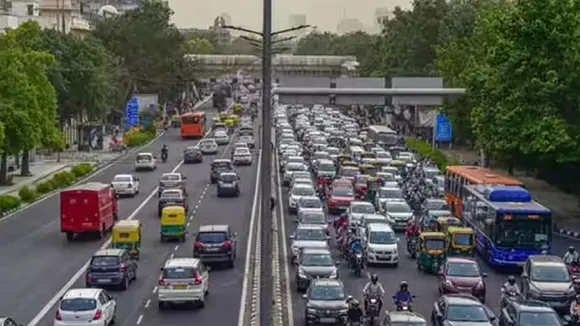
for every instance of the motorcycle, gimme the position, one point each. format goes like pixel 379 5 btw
pixel 164 156
pixel 372 312
pixel 358 264
pixel 403 305
pixel 506 297
pixel 412 247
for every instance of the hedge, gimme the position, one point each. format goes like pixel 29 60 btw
pixel 58 181
pixel 137 137
pixel 425 149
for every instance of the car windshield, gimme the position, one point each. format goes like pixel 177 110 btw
pixel 362 209
pixel 170 177
pixel 310 234
pixel 242 151
pixel 228 177
pixel 310 203
pixel 433 244
pixel 313 219
pixel 408 323
pixel 390 193
pixel 538 319
pixel 122 178
pixel 342 192
pixel 462 269
pixel 362 179
pixel 143 158
pixel 398 208
pixel 383 155
pixel 302 181
pixel 78 304
pixel 332 151
pixel 207 142
pixel 463 239
pixel 212 237
pixel 303 191
pixel 349 172
pixel 326 167
pixel 550 273
pixel 105 261
pixel 317 260
pixel 326 293
pixel 221 165
pixel 382 237
pixel 171 194
pixel 296 167
pixel 466 313
pixel 177 273
pixel 301 174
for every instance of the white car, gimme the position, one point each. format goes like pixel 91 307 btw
pixel 86 307
pixel 145 161
pixel 221 138
pixel 125 184
pixel 309 203
pixel 183 280
pixel 290 169
pixel 242 156
pixel 208 146
pixel 297 192
pixel 248 139
pixel 381 244
pixel 308 236
pixel 358 209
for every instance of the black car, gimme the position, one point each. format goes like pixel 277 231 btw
pixel 228 184
pixel 192 155
pixel 215 244
pixel 172 197
pixel 219 166
pixel 528 312
pixel 460 309
pixel 326 302
pixel 111 267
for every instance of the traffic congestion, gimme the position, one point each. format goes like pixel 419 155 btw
pixel 379 236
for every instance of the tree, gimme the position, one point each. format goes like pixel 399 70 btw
pixel 150 49
pixel 28 100
pixel 198 45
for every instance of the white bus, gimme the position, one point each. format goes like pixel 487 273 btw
pixel 384 135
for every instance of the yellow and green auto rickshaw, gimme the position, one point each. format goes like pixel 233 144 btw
pixel 444 222
pixel 173 223
pixel 400 165
pixel 127 235
pixel 379 163
pixel 216 120
pixel 368 145
pixel 367 154
pixel 235 117
pixel 349 163
pixel 368 169
pixel 237 108
pixel 432 251
pixel 343 158
pixel 461 241
pixel 223 116
pixel 230 123
pixel 175 121
pixel 373 186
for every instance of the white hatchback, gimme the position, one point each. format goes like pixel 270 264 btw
pixel 86 307
pixel 183 280
pixel 145 161
pixel 221 138
pixel 125 184
pixel 208 146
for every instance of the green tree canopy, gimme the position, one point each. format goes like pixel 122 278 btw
pixel 198 45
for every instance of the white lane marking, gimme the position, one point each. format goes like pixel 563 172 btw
pixel 247 276
pixel 140 319
pixel 83 268
pixel 171 256
pixel 154 290
pixel 147 303
pixel 189 223
pixel 290 312
pixel 175 248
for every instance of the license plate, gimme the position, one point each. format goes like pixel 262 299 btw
pixel 180 286
pixel 104 280
pixel 212 249
pixel 327 320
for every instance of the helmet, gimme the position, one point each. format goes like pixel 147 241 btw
pixel 571 249
pixel 354 302
pixel 511 280
pixel 404 285
pixel 374 278
pixel 578 298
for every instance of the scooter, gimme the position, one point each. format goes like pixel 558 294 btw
pixel 372 312
pixel 403 305
pixel 164 156
pixel 506 297
pixel 358 264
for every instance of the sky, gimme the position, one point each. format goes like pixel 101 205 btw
pixel 324 14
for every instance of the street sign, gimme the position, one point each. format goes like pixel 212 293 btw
pixel 299 81
pixel 132 112
pixel 360 82
pixel 443 130
pixel 417 82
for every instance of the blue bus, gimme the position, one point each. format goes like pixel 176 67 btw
pixel 509 226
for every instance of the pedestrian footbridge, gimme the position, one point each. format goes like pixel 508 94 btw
pixel 282 65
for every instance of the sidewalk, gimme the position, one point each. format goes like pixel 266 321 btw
pixel 565 208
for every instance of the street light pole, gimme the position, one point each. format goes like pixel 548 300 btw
pixel 266 165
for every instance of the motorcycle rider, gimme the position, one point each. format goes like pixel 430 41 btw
pixel 412 229
pixel 356 246
pixel 575 310
pixel 374 288
pixel 341 222
pixel 403 295
pixel 164 151
pixel 354 313
pixel 509 288
pixel 570 256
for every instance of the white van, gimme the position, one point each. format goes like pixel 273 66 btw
pixel 381 246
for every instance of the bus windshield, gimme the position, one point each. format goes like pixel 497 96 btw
pixel 524 233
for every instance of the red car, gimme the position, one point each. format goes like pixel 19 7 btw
pixel 462 275
pixel 339 199
pixel 360 185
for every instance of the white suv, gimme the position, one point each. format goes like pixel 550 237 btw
pixel 86 307
pixel 381 244
pixel 183 280
pixel 208 146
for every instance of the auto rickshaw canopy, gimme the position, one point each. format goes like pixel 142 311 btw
pixel 173 215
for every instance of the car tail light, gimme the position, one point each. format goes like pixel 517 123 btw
pixel 197 280
pixel 332 202
pixel 98 314
pixel 197 245
pixel 162 281
pixel 227 245
pixel 88 278
pixel 123 268
pixel 58 316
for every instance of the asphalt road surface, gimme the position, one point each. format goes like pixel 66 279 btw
pixel 423 285
pixel 39 262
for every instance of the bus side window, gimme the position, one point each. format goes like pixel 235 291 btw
pixel 448 177
pixel 462 183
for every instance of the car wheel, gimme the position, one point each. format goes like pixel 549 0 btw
pixel 161 305
pixel 114 319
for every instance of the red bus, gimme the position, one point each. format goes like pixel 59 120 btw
pixel 459 175
pixel 193 125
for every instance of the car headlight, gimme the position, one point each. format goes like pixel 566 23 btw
pixel 301 274
pixel 294 249
pixel 311 311
pixel 343 311
pixel 334 274
pixel 395 252
pixel 480 285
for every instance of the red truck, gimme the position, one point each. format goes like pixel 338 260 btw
pixel 88 208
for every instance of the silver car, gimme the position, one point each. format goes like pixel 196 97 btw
pixel 242 156
pixel 290 169
pixel 312 264
pixel 208 146
pixel 308 236
pixel 399 212
pixel 358 209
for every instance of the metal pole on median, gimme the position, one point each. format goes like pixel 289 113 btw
pixel 266 220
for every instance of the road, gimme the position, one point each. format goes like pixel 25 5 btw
pixel 423 285
pixel 39 261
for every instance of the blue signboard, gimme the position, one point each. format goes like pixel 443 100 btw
pixel 132 112
pixel 443 130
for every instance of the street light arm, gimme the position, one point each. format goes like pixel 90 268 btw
pixel 241 29
pixel 286 39
pixel 288 30
pixel 251 40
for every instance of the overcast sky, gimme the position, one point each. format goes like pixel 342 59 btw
pixel 324 14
